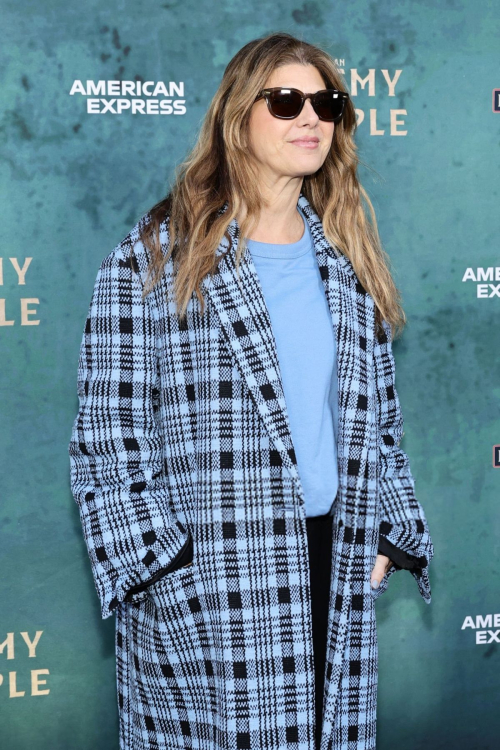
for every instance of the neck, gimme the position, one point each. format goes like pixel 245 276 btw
pixel 279 221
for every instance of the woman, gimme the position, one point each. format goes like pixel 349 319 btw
pixel 235 457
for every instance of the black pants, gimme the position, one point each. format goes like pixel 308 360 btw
pixel 319 538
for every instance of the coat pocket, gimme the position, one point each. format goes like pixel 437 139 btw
pixel 181 617
pixel 409 545
pixel 183 559
pixel 171 646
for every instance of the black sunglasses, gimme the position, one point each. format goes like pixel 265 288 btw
pixel 286 103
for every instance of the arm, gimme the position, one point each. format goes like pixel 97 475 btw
pixel 116 456
pixel 404 533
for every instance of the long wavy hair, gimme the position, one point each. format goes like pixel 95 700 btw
pixel 219 171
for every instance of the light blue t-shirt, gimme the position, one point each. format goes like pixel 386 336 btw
pixel 305 340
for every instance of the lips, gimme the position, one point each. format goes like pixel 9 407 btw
pixel 308 143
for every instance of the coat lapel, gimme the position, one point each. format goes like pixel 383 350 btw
pixel 244 318
pixel 352 311
pixel 245 321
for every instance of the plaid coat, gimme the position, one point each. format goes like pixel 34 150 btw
pixel 181 451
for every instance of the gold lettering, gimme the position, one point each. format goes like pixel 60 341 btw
pixel 3 321
pixel 25 311
pixel 32 644
pixel 395 122
pixel 13 692
pixel 21 272
pixel 9 642
pixel 373 123
pixel 36 682
pixel 391 83
pixel 360 115
pixel 355 79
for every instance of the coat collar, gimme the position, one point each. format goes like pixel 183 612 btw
pixel 244 318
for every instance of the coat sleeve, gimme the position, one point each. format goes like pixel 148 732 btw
pixel 116 453
pixel 403 533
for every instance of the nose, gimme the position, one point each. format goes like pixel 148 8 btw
pixel 308 111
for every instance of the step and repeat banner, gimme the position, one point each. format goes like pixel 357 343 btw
pixel 99 103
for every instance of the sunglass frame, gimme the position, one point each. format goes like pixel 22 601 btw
pixel 265 94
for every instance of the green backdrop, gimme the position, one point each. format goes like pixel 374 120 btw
pixel 74 183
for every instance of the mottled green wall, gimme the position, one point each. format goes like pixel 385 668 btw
pixel 75 183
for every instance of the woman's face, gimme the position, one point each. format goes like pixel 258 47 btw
pixel 283 148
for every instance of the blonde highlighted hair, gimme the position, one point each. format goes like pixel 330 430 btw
pixel 219 171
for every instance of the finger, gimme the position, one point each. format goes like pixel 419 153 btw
pixel 382 564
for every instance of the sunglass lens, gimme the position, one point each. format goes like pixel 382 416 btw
pixel 329 106
pixel 285 103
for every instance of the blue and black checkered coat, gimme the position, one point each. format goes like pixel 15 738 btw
pixel 181 451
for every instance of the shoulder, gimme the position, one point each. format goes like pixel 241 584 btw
pixel 131 251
